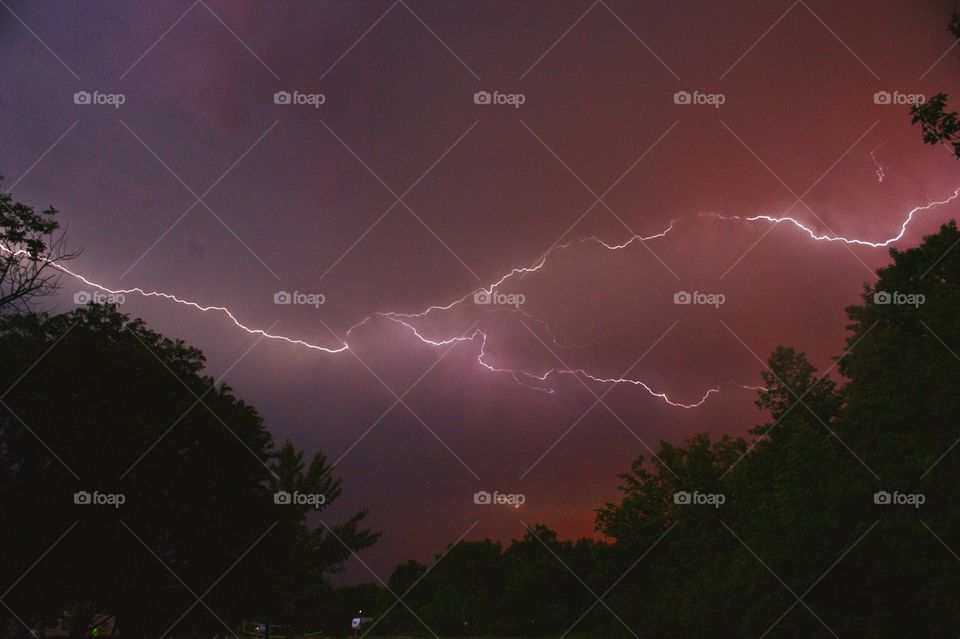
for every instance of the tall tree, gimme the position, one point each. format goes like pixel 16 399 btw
pixel 938 124
pixel 29 245
pixel 161 482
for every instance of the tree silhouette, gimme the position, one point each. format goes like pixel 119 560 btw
pixel 98 404
pixel 937 124
pixel 29 244
pixel 798 516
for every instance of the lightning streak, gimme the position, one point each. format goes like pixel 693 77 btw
pixel 525 378
pixel 536 381
pixel 876 163
pixel 836 238
pixel 174 298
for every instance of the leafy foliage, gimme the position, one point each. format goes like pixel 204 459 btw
pixel 937 124
pixel 100 403
pixel 28 245
pixel 797 520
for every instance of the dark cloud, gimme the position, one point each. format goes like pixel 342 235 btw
pixel 281 193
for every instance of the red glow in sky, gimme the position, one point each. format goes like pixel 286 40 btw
pixel 421 177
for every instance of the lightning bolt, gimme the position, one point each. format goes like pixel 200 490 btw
pixel 876 163
pixel 525 378
pixel 536 381
pixel 836 238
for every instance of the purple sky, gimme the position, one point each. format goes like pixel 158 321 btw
pixel 287 190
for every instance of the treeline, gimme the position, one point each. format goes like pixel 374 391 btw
pixel 839 516
pixel 135 486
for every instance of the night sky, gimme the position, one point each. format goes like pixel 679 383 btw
pixel 399 192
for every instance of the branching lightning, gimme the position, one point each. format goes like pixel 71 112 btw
pixel 836 238
pixel 536 381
